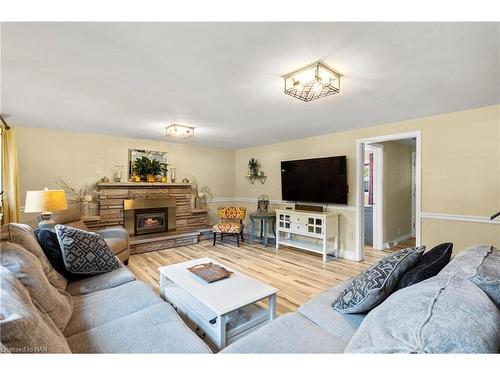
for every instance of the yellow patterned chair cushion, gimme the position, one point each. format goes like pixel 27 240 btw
pixel 230 219
pixel 227 228
pixel 231 213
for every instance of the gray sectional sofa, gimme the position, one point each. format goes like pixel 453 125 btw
pixel 456 311
pixel 110 313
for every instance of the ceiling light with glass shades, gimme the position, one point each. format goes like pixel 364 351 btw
pixel 179 131
pixel 313 81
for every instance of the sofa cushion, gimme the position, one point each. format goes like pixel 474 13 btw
pixel 488 275
pixel 374 285
pixel 95 309
pixel 227 227
pixel 24 235
pixel 155 329
pixel 50 245
pixel 100 282
pixel 85 253
pixel 24 326
pixel 319 310
pixel 428 266
pixel 27 269
pixel 290 333
pixel 439 315
pixel 480 264
pixel 116 245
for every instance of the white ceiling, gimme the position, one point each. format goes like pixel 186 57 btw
pixel 133 79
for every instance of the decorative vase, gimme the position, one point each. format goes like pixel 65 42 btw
pixel 84 209
pixel 163 179
pixel 117 173
pixel 137 178
pixel 151 178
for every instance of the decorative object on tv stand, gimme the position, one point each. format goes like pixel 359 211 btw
pixel 200 193
pixel 84 196
pixel 179 131
pixel 160 162
pixel 45 202
pixel 262 204
pixel 313 81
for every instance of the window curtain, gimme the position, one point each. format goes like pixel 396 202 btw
pixel 10 177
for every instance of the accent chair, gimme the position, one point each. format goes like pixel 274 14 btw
pixel 230 222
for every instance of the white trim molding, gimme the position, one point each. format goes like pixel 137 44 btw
pixel 397 241
pixel 277 201
pixel 465 218
pixel 360 159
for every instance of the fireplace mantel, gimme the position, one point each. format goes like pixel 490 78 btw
pixel 141 184
pixel 113 194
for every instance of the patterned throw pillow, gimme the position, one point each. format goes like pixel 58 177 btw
pixel 374 285
pixel 85 253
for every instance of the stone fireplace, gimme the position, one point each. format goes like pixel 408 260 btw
pixel 147 216
pixel 146 208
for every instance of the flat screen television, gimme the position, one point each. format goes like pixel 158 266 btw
pixel 320 180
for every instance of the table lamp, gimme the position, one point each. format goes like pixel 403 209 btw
pixel 45 201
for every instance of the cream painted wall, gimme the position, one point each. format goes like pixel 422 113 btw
pixel 397 190
pixel 80 158
pixel 460 170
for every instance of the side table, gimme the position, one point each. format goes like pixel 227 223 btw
pixel 265 218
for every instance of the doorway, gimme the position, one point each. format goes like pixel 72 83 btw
pixel 371 193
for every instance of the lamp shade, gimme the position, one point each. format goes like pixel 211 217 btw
pixel 45 201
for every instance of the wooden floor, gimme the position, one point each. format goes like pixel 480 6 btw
pixel 298 275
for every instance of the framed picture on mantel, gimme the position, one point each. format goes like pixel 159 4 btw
pixel 134 154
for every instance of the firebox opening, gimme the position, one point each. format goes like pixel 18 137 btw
pixel 150 220
pixel 147 216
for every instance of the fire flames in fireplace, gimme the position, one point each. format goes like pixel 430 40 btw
pixel 150 221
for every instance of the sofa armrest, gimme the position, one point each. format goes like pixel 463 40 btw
pixel 114 233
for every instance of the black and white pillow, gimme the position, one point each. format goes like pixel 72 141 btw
pixel 374 285
pixel 84 253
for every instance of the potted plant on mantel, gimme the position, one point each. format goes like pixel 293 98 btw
pixel 148 168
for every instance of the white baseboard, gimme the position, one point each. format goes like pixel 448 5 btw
pixel 397 241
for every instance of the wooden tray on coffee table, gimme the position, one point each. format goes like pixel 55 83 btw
pixel 210 272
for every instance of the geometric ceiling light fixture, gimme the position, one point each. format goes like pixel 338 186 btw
pixel 179 131
pixel 313 81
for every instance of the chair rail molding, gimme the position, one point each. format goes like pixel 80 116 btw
pixel 453 217
pixel 278 201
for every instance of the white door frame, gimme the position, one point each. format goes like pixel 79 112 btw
pixel 413 161
pixel 360 211
pixel 378 195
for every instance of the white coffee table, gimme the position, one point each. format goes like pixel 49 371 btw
pixel 207 307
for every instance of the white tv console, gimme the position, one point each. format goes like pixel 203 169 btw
pixel 307 230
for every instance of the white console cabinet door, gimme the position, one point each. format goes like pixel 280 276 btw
pixel 312 231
